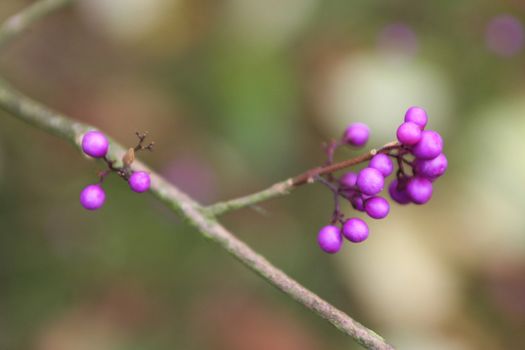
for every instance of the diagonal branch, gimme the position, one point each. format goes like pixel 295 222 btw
pixel 40 116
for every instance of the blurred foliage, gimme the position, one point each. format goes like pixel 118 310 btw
pixel 240 94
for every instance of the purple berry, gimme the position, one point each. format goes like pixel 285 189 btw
pixel 356 134
pixel 140 181
pixel 348 180
pixel 355 230
pixel 357 201
pixel 330 239
pixel 383 163
pixel 419 189
pixel 377 207
pixel 430 145
pixel 432 168
pixel 347 193
pixel 370 181
pixel 409 133
pixel 398 193
pixel 92 197
pixel 95 144
pixel 416 115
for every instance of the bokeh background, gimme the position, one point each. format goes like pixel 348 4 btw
pixel 239 94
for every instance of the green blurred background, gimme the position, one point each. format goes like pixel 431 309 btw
pixel 239 94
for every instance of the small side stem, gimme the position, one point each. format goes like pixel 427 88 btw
pixel 285 187
pixel 336 214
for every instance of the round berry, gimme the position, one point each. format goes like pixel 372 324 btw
pixel 348 180
pixel 416 115
pixel 95 144
pixel 140 181
pixel 419 189
pixel 347 192
pixel 370 181
pixel 330 239
pixel 357 201
pixel 377 207
pixel 355 230
pixel 92 197
pixel 397 193
pixel 356 134
pixel 432 168
pixel 383 163
pixel 409 133
pixel 430 145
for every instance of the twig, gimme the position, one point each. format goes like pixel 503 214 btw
pixel 40 116
pixel 285 187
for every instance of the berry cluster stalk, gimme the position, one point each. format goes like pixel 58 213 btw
pixel 40 116
pixel 285 187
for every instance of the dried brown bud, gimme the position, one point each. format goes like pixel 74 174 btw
pixel 129 157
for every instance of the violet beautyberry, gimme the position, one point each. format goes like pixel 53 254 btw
pixel 356 134
pixel 430 145
pixel 92 197
pixel 355 230
pixel 95 144
pixel 409 133
pixel 416 115
pixel 348 180
pixel 139 181
pixel 383 163
pixel 432 168
pixel 419 189
pixel 397 193
pixel 377 207
pixel 370 181
pixel 330 239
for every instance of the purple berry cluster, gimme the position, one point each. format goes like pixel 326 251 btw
pixel 419 157
pixel 95 144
